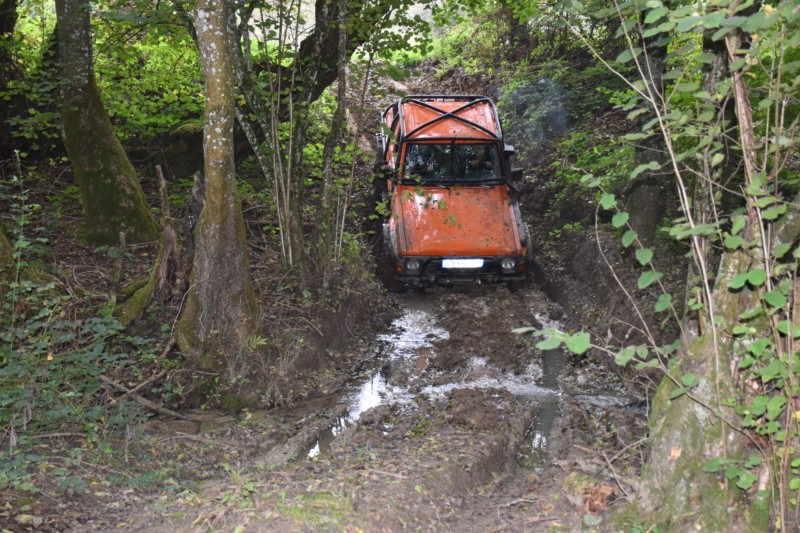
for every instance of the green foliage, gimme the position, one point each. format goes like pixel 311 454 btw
pixel 151 80
pixel 689 118
pixel 34 91
pixel 51 364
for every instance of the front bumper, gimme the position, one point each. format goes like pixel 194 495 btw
pixel 432 271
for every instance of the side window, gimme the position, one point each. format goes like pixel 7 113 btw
pixel 477 162
pixel 428 161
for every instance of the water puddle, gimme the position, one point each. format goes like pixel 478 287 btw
pixel 401 357
pixel 402 353
pixel 534 452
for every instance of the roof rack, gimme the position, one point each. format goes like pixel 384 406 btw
pixel 397 113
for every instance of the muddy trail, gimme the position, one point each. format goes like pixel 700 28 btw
pixel 449 422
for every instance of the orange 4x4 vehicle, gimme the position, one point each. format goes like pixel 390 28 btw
pixel 446 181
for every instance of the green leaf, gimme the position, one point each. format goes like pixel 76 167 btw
pixel 647 278
pixel 628 238
pixel 773 212
pixel 752 313
pixel 746 480
pixel 759 405
pixel 687 24
pixel 733 242
pixel 775 407
pixel 781 250
pixel 550 343
pixel 759 346
pixel 652 165
pixel 738 224
pixel 747 362
pixel 739 281
pixel 619 219
pixel 713 20
pixel 689 380
pixel 775 299
pixel 756 277
pixel 627 55
pixel 578 343
pixel 644 255
pixel 716 159
pixel 687 88
pixel 715 464
pixel 677 393
pixel 624 356
pixel 764 202
pixel 663 302
pixel 654 14
pixel 770 372
pixel 608 201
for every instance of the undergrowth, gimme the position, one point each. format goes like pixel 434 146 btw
pixel 52 363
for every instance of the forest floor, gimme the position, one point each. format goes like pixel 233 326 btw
pixel 465 427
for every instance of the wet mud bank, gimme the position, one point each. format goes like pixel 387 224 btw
pixel 449 422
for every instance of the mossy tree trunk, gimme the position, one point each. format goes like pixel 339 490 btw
pixel 220 305
pixel 113 200
pixel 687 432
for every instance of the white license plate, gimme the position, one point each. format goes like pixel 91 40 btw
pixel 462 263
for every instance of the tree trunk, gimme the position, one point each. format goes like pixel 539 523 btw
pixel 643 202
pixel 325 227
pixel 113 200
pixel 221 309
pixel 8 72
pixel 686 432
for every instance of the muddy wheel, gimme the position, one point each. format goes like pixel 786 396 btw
pixel 386 272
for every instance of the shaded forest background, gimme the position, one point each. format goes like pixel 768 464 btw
pixel 187 210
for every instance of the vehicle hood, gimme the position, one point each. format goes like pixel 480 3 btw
pixel 459 221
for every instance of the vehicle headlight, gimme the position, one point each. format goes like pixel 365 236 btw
pixel 413 264
pixel 508 263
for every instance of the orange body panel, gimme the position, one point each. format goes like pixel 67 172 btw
pixel 455 222
pixel 453 214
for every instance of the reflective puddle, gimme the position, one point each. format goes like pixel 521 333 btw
pixel 402 355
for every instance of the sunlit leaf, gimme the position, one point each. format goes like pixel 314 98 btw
pixel 756 277
pixel 775 299
pixel 578 343
pixel 628 238
pixel 619 220
pixel 733 242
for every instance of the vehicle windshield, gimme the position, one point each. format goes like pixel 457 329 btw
pixel 438 163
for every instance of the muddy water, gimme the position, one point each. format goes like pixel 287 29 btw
pixel 401 356
pixel 410 341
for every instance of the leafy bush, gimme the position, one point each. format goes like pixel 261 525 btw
pixel 152 84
